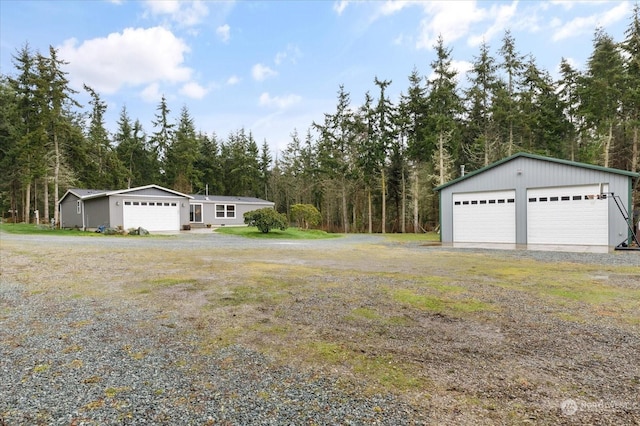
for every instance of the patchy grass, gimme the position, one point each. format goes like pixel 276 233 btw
pixel 276 234
pixel 27 228
pixel 439 304
pixel 428 237
pixel 463 327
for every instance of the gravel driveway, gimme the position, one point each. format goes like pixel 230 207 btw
pixel 101 356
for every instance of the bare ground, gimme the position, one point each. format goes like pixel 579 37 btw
pixel 457 336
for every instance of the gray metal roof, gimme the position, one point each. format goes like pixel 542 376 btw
pixel 540 158
pixel 230 199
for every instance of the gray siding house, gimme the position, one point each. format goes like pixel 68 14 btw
pixel 218 210
pixel 152 207
pixel 529 199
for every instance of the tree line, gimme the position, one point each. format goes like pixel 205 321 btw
pixel 366 168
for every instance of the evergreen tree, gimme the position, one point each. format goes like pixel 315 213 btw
pixel 337 155
pixel 110 171
pixel 162 136
pixel 208 163
pixel 265 172
pixel 482 139
pixel 569 102
pixel 513 66
pixel 601 95
pixel 181 156
pixel 631 92
pixel 413 116
pixel 445 107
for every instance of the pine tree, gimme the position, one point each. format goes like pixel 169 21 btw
pixel 631 92
pixel 482 139
pixel 161 139
pixel 182 154
pixel 601 94
pixel 110 171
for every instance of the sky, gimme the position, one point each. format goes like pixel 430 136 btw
pixel 272 67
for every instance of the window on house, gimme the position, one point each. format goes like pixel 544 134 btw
pixel 79 207
pixel 195 213
pixel 225 211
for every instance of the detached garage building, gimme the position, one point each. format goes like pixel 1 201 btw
pixel 530 199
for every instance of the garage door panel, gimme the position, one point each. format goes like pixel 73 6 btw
pixel 153 216
pixel 567 215
pixel 484 217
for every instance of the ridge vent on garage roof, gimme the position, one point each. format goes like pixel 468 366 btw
pixel 540 158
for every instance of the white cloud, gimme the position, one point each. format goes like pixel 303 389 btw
pixel 503 19
pixel 134 57
pixel 185 13
pixel 460 67
pixel 281 102
pixel 261 72
pixel 233 80
pixel 151 93
pixel 292 53
pixel 340 6
pixel 224 32
pixel 450 19
pixel 194 90
pixel 390 7
pixel 586 24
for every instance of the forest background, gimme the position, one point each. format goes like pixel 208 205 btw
pixel 370 168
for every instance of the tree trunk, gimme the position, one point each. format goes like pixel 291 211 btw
pixel 635 156
pixel 56 177
pixel 416 196
pixel 45 213
pixel 608 145
pixel 27 203
pixel 403 227
pixel 345 214
pixel 384 203
pixel 370 211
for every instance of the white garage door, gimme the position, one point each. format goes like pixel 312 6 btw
pixel 568 215
pixel 152 215
pixel 484 217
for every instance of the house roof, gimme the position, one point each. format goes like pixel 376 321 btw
pixel 85 194
pixel 230 199
pixel 540 158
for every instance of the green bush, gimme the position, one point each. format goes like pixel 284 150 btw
pixel 266 219
pixel 305 215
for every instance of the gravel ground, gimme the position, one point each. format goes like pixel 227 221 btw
pixel 83 360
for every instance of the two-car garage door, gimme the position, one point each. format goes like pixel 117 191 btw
pixel 568 215
pixel 554 215
pixel 151 215
pixel 484 217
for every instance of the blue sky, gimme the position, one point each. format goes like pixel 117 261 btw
pixel 275 66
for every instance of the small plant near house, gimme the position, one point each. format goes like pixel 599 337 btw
pixel 266 219
pixel 305 215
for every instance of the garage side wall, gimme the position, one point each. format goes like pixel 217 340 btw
pixel 96 212
pixel 522 173
pixel 69 216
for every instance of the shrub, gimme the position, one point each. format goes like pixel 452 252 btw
pixel 266 219
pixel 305 215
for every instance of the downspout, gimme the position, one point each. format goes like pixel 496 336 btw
pixel 84 225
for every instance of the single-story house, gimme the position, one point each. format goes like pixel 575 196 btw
pixel 528 199
pixel 151 207
pixel 218 210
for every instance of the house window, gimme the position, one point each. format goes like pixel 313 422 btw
pixel 225 211
pixel 79 207
pixel 195 213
